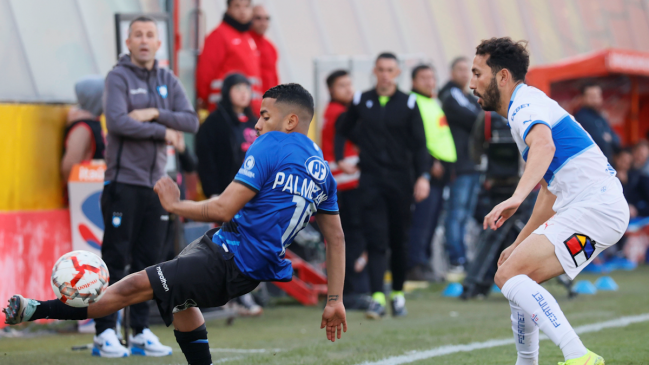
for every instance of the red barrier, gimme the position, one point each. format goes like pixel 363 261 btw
pixel 30 244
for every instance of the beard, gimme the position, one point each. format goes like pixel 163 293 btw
pixel 491 97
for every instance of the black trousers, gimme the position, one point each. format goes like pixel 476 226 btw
pixel 135 229
pixel 387 202
pixel 351 213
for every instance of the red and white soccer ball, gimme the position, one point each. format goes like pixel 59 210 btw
pixel 79 278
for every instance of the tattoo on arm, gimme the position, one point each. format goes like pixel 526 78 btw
pixel 205 212
pixel 333 298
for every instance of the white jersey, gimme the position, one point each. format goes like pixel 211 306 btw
pixel 577 164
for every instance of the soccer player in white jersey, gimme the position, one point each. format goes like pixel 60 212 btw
pixel 580 210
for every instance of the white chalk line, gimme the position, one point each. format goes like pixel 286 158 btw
pixel 413 356
pixel 244 351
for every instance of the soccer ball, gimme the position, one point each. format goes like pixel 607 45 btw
pixel 79 278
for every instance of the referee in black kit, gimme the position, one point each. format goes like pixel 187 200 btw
pixel 146 108
pixel 386 125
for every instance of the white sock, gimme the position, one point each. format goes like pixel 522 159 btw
pixel 526 336
pixel 545 312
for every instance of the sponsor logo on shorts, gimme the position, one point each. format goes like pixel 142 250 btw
pixel 163 281
pixel 581 248
pixel 117 219
pixel 188 304
pixel 545 307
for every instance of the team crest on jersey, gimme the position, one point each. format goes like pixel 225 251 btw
pixel 317 168
pixel 581 248
pixel 162 90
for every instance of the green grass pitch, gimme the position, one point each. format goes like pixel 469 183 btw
pixel 290 334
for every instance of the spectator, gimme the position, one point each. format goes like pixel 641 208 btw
pixel 461 110
pixel 224 138
pixel 393 160
pixel 439 141
pixel 145 106
pixel 221 145
pixel 229 48
pixel 590 117
pixel 342 156
pixel 636 186
pixel 84 139
pixel 267 50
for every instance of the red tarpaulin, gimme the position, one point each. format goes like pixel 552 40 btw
pixel 623 75
pixel 30 244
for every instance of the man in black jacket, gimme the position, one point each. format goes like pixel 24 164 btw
pixel 591 118
pixel 145 108
pixel 386 125
pixel 461 110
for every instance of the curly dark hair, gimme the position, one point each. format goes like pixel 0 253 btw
pixel 505 53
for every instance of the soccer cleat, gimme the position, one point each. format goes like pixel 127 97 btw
pixel 375 311
pixel 590 358
pixel 148 344
pixel 398 304
pixel 107 345
pixel 19 310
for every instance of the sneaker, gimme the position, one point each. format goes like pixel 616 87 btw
pixel 398 304
pixel 20 309
pixel 107 345
pixel 590 358
pixel 148 344
pixel 456 274
pixel 375 310
pixel 248 307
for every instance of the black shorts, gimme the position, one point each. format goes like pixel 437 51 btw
pixel 203 275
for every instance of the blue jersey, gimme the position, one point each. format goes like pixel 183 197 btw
pixel 292 182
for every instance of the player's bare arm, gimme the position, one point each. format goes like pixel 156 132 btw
pixel 333 317
pixel 541 152
pixel 541 213
pixel 219 209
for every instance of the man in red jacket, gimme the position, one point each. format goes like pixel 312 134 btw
pixel 229 48
pixel 342 157
pixel 267 50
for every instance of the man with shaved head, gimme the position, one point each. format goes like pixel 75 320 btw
pixel 267 50
pixel 281 184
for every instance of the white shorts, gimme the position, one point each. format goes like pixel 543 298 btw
pixel 593 222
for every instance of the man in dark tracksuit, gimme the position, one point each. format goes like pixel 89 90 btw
pixel 386 125
pixel 590 117
pixel 146 108
pixel 461 110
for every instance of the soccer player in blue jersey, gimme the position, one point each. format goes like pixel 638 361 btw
pixel 580 210
pixel 282 183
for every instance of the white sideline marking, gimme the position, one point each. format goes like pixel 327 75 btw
pixel 244 351
pixel 451 349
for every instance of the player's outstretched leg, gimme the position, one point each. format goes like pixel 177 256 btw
pixel 532 262
pixel 133 289
pixel 526 336
pixel 191 336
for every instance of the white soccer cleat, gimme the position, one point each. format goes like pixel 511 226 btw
pixel 107 345
pixel 148 344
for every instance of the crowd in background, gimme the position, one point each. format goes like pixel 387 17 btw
pixel 400 157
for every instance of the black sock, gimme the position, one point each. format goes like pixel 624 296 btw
pixel 137 330
pixel 56 309
pixel 195 346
